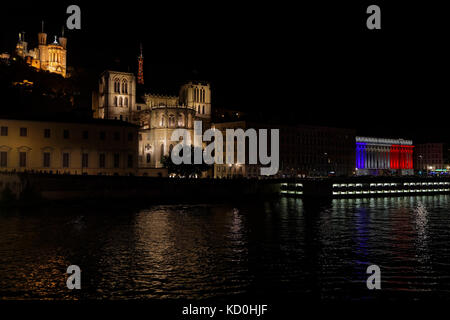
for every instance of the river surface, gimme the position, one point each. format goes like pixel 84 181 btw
pixel 281 247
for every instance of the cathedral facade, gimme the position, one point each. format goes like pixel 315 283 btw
pixel 48 57
pixel 157 116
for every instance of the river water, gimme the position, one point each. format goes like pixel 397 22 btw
pixel 281 247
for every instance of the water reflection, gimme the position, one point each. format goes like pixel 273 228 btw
pixel 317 249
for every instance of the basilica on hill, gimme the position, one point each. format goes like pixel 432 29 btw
pixel 49 57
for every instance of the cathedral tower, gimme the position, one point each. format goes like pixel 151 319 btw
pixel 116 96
pixel 197 95
pixel 63 40
pixel 42 36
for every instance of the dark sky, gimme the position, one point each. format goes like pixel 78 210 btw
pixel 316 63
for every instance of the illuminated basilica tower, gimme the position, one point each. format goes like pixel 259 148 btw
pixel 48 57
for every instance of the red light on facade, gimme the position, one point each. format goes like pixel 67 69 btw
pixel 401 157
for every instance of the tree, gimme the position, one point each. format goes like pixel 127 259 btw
pixel 183 169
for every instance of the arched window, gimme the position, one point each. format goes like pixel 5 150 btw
pixel 171 120
pixel 126 102
pixel 162 150
pixel 181 120
pixel 163 122
pixel 120 101
pixel 196 94
pixel 124 86
pixel 203 95
pixel 115 101
pixel 203 111
pixel 117 86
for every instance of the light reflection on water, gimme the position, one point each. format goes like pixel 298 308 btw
pixel 266 248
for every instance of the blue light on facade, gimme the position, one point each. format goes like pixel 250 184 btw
pixel 360 146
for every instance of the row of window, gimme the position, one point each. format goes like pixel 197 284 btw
pixel 66 134
pixel 171 121
pixel 120 102
pixel 55 57
pixel 199 95
pixel 117 86
pixel 201 109
pixel 46 163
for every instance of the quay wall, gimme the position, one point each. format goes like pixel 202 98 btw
pixel 25 187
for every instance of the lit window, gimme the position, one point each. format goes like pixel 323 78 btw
pixel 124 86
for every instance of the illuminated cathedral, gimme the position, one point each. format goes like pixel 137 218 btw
pixel 158 116
pixel 49 57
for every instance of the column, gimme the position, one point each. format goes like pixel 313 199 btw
pixel 365 157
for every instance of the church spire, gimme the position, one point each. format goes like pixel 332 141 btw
pixel 140 79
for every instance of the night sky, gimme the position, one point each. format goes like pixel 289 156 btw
pixel 317 63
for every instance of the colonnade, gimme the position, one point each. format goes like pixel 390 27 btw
pixel 372 156
pixel 384 156
pixel 401 157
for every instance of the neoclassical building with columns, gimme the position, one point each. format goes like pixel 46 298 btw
pixel 378 156
pixel 156 115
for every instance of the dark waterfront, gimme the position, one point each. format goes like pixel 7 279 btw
pixel 282 247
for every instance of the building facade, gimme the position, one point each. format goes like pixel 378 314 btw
pixel 429 157
pixel 380 156
pixel 158 125
pixel 304 151
pixel 89 148
pixel 49 57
